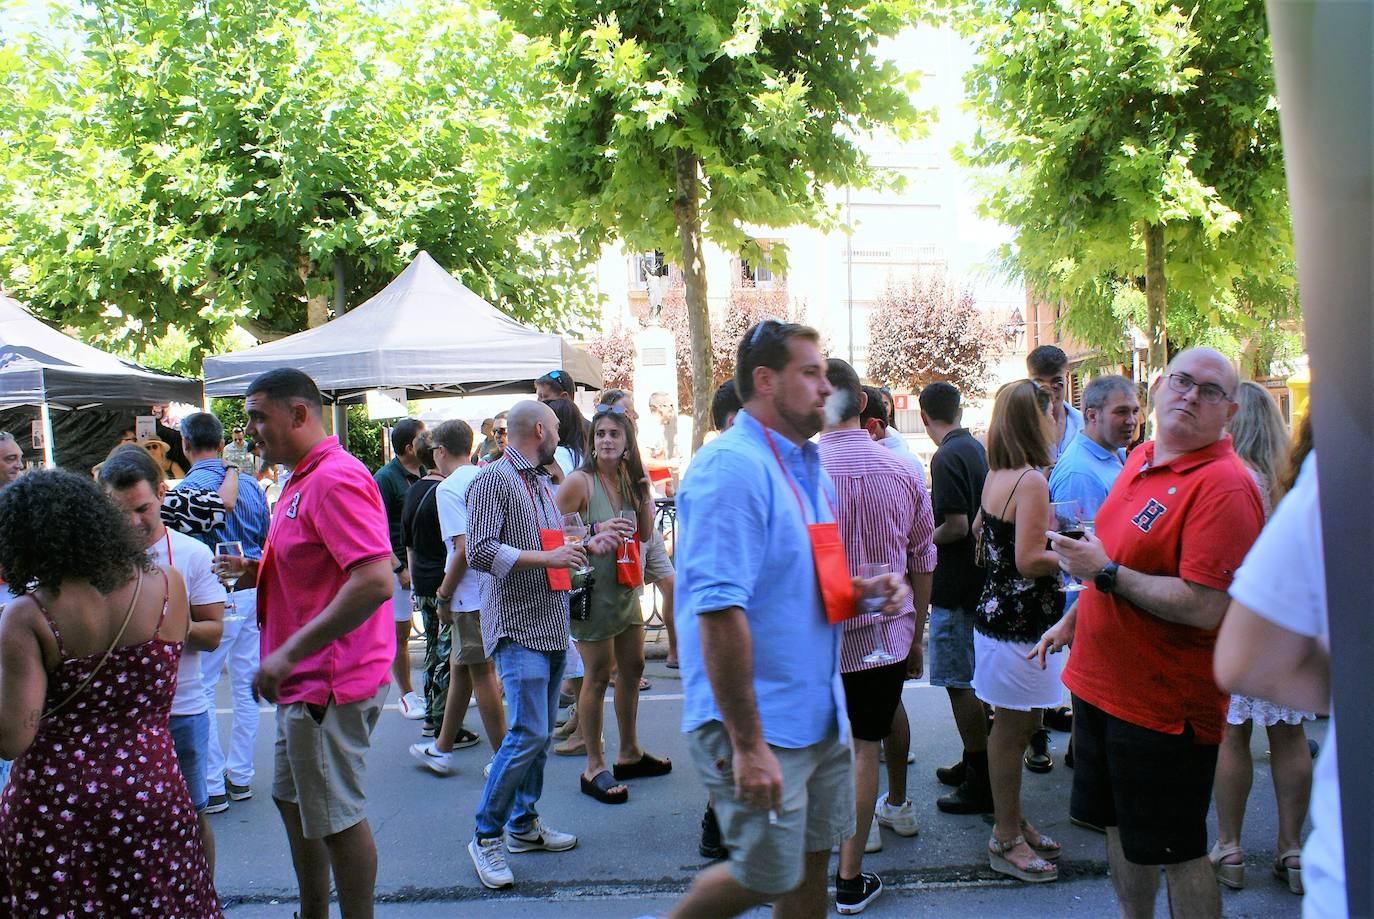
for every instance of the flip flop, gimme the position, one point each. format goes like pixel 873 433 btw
pixel 646 767
pixel 600 786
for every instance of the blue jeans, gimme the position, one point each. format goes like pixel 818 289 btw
pixel 530 679
pixel 191 738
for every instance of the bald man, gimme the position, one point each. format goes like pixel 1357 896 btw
pixel 1148 716
pixel 11 459
pixel 515 533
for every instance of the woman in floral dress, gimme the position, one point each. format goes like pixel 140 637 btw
pixel 95 820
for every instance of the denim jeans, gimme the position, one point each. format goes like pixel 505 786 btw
pixel 530 679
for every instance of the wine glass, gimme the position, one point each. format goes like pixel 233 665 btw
pixel 632 516
pixel 871 604
pixel 232 549
pixel 575 534
pixel 1068 521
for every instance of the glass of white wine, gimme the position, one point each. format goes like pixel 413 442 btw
pixel 231 549
pixel 575 534
pixel 632 516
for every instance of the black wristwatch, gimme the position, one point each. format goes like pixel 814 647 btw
pixel 1105 580
pixel 399 568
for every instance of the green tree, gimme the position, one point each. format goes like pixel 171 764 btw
pixel 681 122
pixel 181 164
pixel 1135 144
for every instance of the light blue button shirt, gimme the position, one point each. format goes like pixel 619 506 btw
pixel 1073 425
pixel 1086 471
pixel 742 541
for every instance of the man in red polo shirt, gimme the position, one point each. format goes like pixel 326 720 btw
pixel 324 591
pixel 1148 715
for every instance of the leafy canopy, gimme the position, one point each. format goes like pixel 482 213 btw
pixel 174 163
pixel 770 96
pixel 1100 116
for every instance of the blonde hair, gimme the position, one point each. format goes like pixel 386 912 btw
pixel 1259 436
pixel 1019 431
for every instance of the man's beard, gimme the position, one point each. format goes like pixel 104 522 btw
pixel 546 453
pixel 807 423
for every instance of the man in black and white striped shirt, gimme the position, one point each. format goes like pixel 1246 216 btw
pixel 524 629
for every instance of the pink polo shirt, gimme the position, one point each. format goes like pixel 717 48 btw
pixel 328 520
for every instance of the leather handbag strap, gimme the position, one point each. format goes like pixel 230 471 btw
pixel 119 636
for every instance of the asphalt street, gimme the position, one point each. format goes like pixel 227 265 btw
pixel 635 859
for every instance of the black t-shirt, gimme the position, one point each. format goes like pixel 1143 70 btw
pixel 421 534
pixel 957 472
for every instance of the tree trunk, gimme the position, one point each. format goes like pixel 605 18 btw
pixel 317 307
pixel 1156 292
pixel 694 281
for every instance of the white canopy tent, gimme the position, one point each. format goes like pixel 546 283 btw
pixel 425 333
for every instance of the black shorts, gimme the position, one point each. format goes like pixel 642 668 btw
pixel 1154 788
pixel 872 697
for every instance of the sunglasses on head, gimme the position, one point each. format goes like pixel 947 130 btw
pixel 613 409
pixel 759 330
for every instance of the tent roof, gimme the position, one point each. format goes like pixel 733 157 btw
pixel 40 364
pixel 425 332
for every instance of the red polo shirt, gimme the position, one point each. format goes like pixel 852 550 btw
pixel 328 521
pixel 1192 518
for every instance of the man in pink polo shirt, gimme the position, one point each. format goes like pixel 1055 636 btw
pixel 324 591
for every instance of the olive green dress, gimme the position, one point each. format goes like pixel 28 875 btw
pixel 614 607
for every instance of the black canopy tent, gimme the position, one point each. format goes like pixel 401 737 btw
pixel 79 394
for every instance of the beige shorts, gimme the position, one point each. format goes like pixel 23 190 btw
pixel 817 808
pixel 467 643
pixel 657 565
pixel 319 761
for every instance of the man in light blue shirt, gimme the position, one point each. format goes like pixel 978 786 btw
pixel 1048 367
pixel 1093 459
pixel 764 708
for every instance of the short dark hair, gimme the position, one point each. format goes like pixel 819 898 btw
pixel 611 396
pixel 940 401
pixel 766 345
pixel 202 431
pixel 845 382
pixel 874 409
pixel 404 432
pixel 286 384
pixel 455 436
pixel 1045 360
pixel 56 525
pixel 127 466
pixel 1100 389
pixel 724 404
pixel 560 380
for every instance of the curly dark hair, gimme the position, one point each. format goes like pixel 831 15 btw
pixel 56 525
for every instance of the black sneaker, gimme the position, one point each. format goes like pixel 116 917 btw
pixel 237 792
pixel 1038 757
pixel 710 845
pixel 951 775
pixel 217 804
pixel 853 896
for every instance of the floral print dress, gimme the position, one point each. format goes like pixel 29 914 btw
pixel 1013 608
pixel 96 820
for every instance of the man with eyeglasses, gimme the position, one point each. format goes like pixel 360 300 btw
pixel 1148 716
pixel 1048 368
pixel 498 438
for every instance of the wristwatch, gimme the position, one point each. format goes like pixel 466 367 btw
pixel 1105 580
pixel 399 568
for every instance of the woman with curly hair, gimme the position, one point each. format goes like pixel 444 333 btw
pixel 91 645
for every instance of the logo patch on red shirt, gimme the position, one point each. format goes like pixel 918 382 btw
pixel 1148 515
pixel 295 503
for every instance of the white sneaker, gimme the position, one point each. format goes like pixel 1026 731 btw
pixel 489 858
pixel 412 706
pixel 428 754
pixel 486 770
pixel 874 843
pixel 899 818
pixel 540 838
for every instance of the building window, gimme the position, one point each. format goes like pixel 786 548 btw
pixel 757 272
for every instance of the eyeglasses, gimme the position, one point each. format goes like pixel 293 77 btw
pixel 499 432
pixel 1209 393
pixel 759 330
pixel 613 409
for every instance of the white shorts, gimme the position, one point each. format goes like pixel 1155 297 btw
pixel 402 603
pixel 1003 678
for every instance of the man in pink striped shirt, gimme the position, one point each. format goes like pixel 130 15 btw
pixel 885 517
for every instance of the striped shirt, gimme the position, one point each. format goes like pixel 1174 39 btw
pixel 508 504
pixel 247 523
pixel 885 517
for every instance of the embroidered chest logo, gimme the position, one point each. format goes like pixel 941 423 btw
pixel 295 503
pixel 1147 517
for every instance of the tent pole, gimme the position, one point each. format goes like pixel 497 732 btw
pixel 46 420
pixel 341 423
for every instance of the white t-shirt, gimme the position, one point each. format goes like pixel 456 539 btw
pixel 1283 579
pixel 192 559
pixel 895 442
pixel 451 496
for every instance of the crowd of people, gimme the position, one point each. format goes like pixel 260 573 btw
pixel 523 551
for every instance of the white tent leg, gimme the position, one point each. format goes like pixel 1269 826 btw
pixel 46 419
